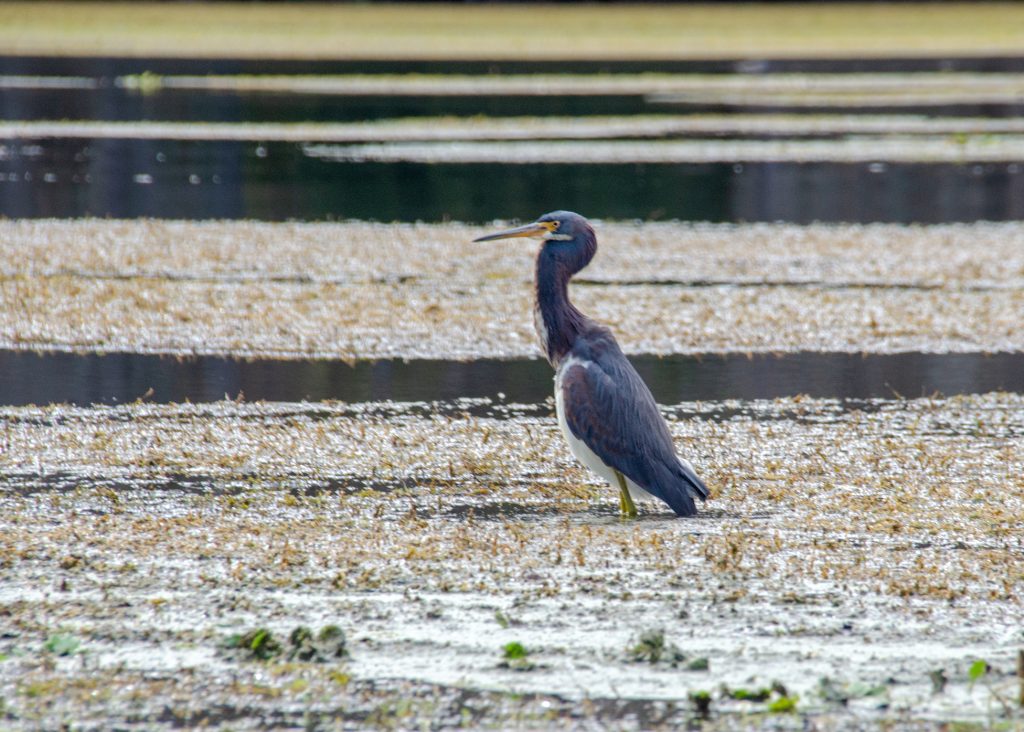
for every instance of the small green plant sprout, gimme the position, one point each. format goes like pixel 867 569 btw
pixel 258 644
pixel 750 695
pixel 514 651
pixel 701 701
pixel 341 678
pixel 302 645
pixel 981 671
pixel 783 705
pixel 778 698
pixel 842 693
pixel 62 644
pixel 516 657
pixel 651 648
pixel 698 664
pixel 327 645
pixel 977 671
pixel 502 619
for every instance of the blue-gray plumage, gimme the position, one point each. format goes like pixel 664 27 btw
pixel 606 411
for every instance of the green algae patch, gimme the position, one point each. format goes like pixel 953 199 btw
pixel 651 647
pixel 260 644
pixel 783 705
pixel 62 644
pixel 515 657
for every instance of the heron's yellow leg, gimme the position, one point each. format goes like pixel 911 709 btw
pixel 626 505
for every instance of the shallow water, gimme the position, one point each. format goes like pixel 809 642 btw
pixel 176 179
pixel 99 99
pixel 110 103
pixel 277 181
pixel 150 534
pixel 119 378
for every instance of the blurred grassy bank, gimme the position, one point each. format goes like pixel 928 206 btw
pixel 572 32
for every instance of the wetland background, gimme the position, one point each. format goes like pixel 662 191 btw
pixel 256 378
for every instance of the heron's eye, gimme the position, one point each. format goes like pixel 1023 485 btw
pixel 555 224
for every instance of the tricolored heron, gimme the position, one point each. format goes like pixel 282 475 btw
pixel 605 410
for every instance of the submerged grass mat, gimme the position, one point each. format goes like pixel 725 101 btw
pixel 462 129
pixel 853 566
pixel 358 290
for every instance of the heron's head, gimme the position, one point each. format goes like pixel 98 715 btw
pixel 557 226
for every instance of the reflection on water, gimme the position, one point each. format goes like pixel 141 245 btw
pixel 101 97
pixel 276 181
pixel 110 103
pixel 87 379
pixel 112 67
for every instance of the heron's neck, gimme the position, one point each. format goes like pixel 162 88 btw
pixel 557 320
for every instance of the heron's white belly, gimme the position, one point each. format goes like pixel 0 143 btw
pixel 578 448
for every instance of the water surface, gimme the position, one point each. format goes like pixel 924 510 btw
pixel 113 66
pixel 107 102
pixel 117 378
pixel 110 103
pixel 127 178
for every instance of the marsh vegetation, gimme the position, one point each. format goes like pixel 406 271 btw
pixel 847 556
pixel 400 553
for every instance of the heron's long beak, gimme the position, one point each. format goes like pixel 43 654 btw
pixel 536 229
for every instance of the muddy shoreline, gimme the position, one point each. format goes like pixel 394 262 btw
pixel 882 548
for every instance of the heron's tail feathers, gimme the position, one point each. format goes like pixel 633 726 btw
pixel 696 486
pixel 678 486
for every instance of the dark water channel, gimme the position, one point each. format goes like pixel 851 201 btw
pixel 127 178
pixel 113 66
pixel 30 378
pixel 110 103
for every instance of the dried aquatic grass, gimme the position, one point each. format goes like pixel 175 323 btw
pixel 453 129
pixel 889 88
pixel 869 546
pixel 371 290
pixel 861 149
pixel 408 31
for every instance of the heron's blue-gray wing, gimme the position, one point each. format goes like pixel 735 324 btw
pixel 609 407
